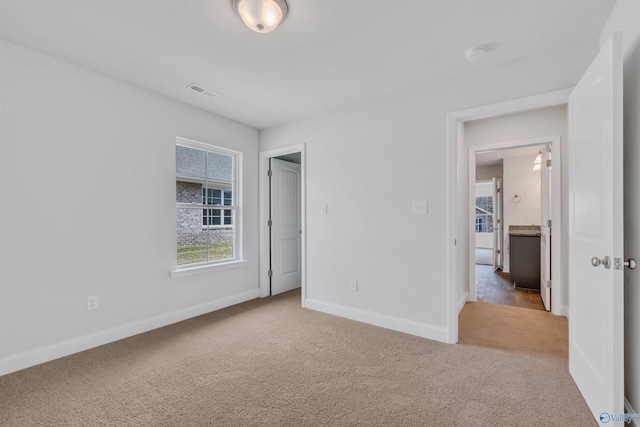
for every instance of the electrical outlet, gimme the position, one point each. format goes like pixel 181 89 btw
pixel 420 207
pixel 353 284
pixel 92 302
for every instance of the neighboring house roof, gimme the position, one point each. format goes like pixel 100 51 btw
pixel 201 165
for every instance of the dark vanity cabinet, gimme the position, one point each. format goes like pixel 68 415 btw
pixel 524 260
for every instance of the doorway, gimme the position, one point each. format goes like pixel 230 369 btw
pixel 458 222
pixel 282 220
pixel 519 210
pixel 284 223
pixel 512 213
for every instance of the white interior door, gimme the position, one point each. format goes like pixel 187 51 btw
pixel 545 228
pixel 497 223
pixel 596 233
pixel 286 266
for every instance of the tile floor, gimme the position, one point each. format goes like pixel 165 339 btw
pixel 495 287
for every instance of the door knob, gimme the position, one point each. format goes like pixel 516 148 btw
pixel 606 261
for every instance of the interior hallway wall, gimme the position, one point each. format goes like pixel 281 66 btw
pixel 487 172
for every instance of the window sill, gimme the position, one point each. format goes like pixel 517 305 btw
pixel 190 271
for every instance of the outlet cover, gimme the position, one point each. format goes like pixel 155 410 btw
pixel 420 207
pixel 353 284
pixel 92 302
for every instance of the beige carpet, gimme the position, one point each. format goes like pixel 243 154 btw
pixel 514 328
pixel 270 363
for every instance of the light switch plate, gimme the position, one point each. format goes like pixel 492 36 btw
pixel 420 207
pixel 323 209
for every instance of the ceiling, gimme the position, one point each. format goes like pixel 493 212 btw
pixel 495 157
pixel 326 55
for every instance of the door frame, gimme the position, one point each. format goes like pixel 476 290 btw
pixel 263 229
pixel 556 236
pixel 458 193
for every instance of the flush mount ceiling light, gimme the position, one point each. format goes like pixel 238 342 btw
pixel 262 16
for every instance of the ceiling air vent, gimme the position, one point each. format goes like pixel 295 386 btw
pixel 203 90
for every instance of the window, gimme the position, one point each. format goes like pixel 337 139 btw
pixel 484 214
pixel 478 224
pixel 206 204
pixel 216 217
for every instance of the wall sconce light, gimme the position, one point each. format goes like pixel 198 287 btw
pixel 262 16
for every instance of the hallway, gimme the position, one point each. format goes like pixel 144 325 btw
pixel 495 287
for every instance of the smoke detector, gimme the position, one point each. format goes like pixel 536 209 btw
pixel 202 90
pixel 474 53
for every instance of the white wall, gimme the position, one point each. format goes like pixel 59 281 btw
pixel 87 186
pixel 539 123
pixel 519 179
pixel 484 240
pixel 624 18
pixel 395 146
pixel 488 172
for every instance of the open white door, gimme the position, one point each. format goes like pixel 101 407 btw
pixel 596 335
pixel 286 259
pixel 497 223
pixel 545 228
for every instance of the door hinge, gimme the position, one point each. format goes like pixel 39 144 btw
pixel 269 173
pixel 548 163
pixel 270 273
pixel 549 284
pixel 269 223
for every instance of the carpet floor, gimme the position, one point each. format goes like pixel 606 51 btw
pixel 268 362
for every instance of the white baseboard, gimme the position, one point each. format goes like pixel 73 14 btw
pixel 635 421
pixel 47 353
pixel 462 301
pixel 424 330
pixel 564 311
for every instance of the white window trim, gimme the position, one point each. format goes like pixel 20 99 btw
pixel 206 268
pixel 237 260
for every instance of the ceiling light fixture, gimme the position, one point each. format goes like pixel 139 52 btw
pixel 262 16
